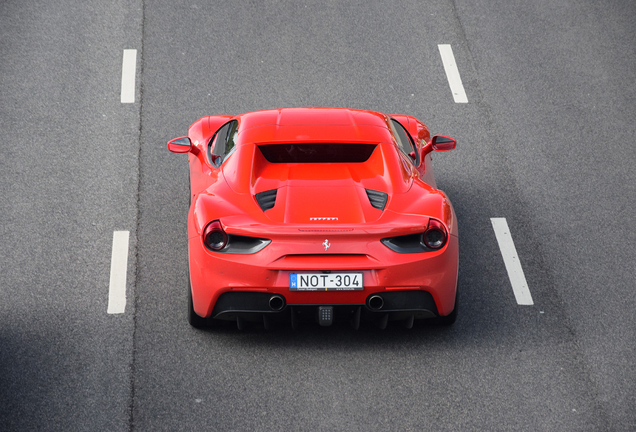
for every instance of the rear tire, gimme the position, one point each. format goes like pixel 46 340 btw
pixel 451 317
pixel 195 320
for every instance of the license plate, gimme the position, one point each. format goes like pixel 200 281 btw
pixel 325 281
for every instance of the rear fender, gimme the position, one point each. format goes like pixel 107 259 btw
pixel 435 204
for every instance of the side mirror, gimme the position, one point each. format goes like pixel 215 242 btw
pixel 180 145
pixel 443 143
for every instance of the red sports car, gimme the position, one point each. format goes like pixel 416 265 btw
pixel 318 214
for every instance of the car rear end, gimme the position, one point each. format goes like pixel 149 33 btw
pixel 311 273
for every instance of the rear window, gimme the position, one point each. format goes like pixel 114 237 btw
pixel 317 152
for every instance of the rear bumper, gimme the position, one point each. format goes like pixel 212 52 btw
pixel 225 286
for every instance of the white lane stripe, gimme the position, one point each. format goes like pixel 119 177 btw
pixel 511 260
pixel 128 70
pixel 118 269
pixel 452 73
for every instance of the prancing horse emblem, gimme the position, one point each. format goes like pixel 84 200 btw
pixel 326 244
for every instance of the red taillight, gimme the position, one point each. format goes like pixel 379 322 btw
pixel 214 237
pixel 435 235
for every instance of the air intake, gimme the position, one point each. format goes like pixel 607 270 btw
pixel 267 199
pixel 377 199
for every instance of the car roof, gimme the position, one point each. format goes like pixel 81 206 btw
pixel 291 125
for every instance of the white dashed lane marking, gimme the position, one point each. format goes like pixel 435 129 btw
pixel 452 73
pixel 511 261
pixel 118 270
pixel 128 71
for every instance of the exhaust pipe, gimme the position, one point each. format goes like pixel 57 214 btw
pixel 276 303
pixel 375 302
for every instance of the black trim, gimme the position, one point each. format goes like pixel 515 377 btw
pixel 243 245
pixel 397 306
pixel 400 301
pixel 238 302
pixel 411 243
pixel 317 152
pixel 377 199
pixel 266 200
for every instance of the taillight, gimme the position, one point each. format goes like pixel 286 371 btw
pixel 435 235
pixel 214 237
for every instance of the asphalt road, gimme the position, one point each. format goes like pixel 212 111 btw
pixel 545 141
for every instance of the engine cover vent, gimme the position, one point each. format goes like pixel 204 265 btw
pixel 377 199
pixel 266 200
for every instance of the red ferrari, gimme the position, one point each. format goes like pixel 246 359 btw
pixel 318 214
